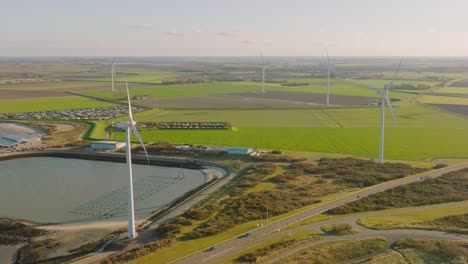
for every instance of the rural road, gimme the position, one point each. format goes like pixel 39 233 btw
pixel 205 256
pixel 391 235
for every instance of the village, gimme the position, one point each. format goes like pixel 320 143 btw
pixel 105 113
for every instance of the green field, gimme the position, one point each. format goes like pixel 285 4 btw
pixel 346 131
pixel 409 220
pixel 433 99
pixel 51 103
pixel 453 90
pixel 212 88
pixel 53 85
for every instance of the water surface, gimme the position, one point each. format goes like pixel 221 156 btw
pixel 57 190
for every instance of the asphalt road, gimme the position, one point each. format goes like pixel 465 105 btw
pixel 231 245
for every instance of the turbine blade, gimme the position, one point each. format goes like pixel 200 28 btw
pixel 394 77
pixel 129 104
pixel 137 135
pixel 389 104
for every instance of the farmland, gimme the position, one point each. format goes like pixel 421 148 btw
pixel 291 116
pixel 49 103
pixel 347 131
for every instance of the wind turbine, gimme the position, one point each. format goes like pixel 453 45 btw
pixel 263 72
pixel 130 128
pixel 113 74
pixel 384 100
pixel 328 79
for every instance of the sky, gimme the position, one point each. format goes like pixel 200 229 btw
pixel 233 28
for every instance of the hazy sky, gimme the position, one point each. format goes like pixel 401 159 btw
pixel 233 28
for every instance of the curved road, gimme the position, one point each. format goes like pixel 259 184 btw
pixel 223 249
pixel 391 235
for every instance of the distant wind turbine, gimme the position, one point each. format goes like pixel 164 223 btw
pixel 130 127
pixel 328 79
pixel 384 99
pixel 113 74
pixel 263 73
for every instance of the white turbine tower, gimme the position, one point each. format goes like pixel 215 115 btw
pixel 328 79
pixel 130 128
pixel 384 100
pixel 263 73
pixel 113 74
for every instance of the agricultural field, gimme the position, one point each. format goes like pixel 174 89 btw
pixel 435 219
pixel 49 103
pixel 291 116
pixel 451 100
pixel 346 131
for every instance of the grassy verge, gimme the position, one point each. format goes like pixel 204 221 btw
pixel 338 230
pixel 435 219
pixel 432 251
pixel 450 187
pixel 334 252
pixel 274 247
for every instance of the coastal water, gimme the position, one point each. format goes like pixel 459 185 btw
pixel 57 190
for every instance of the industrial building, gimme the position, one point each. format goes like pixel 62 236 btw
pixel 107 145
pixel 238 150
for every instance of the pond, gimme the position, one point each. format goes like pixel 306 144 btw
pixel 58 190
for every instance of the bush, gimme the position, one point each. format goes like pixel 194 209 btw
pixel 168 230
pixel 450 187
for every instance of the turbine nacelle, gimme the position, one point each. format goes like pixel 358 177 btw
pixel 126 124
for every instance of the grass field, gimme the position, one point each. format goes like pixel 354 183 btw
pixel 53 85
pixel 45 104
pixel 187 90
pixel 433 99
pixel 454 90
pixel 410 220
pixel 346 131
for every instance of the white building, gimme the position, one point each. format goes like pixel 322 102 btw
pixel 107 145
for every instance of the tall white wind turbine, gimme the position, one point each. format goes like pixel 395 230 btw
pixel 130 128
pixel 263 73
pixel 328 79
pixel 113 74
pixel 384 100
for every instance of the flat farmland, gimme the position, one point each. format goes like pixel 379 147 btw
pixel 346 131
pixel 459 109
pixel 401 143
pixel 273 99
pixel 222 88
pixel 453 90
pixel 49 103
pixel 57 86
pixel 434 99
pixel 17 94
pixel 308 97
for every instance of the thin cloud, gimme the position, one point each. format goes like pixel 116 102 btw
pixel 248 42
pixel 141 27
pixel 230 33
pixel 174 33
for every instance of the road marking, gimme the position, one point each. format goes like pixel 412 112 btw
pixel 218 253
